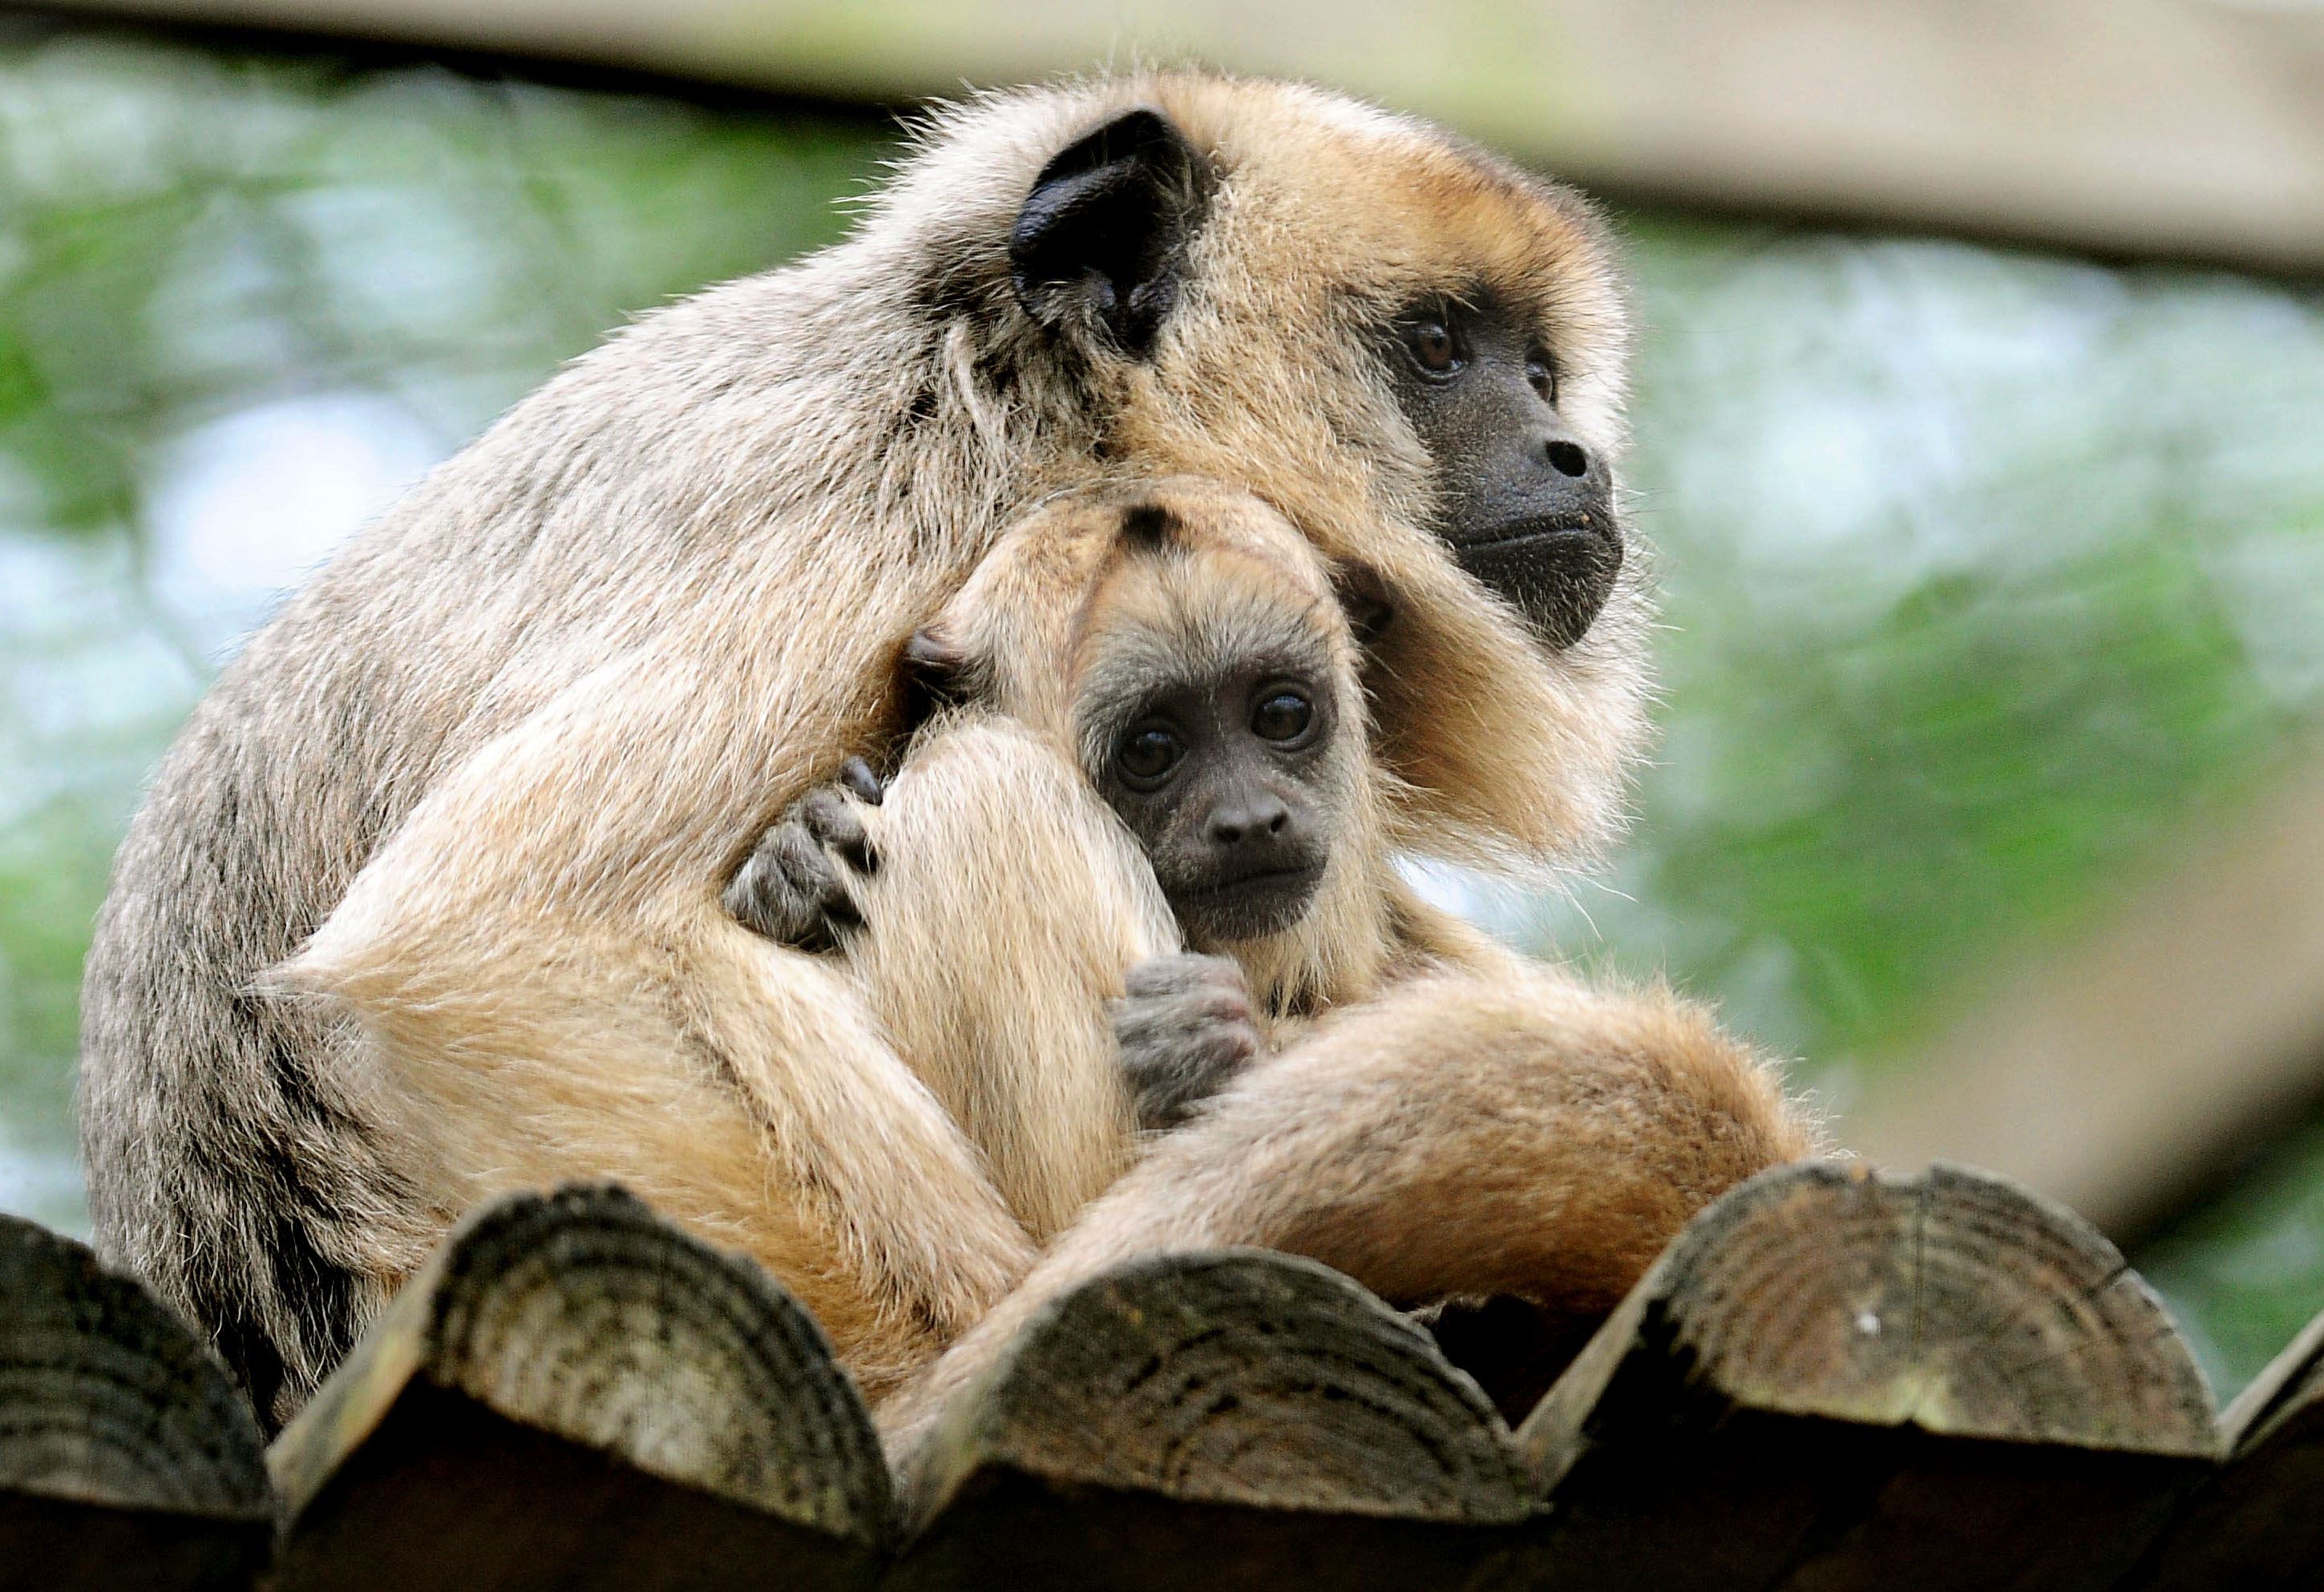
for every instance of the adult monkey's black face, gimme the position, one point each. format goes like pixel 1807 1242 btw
pixel 1097 255
pixel 1527 507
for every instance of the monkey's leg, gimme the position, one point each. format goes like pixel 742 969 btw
pixel 1007 905
pixel 547 1004
pixel 1521 1135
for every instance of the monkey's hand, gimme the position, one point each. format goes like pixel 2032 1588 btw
pixel 1186 1027
pixel 797 886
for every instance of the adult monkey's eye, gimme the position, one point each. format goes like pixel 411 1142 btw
pixel 1285 715
pixel 1435 347
pixel 1541 370
pixel 1147 756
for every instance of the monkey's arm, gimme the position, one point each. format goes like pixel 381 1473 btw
pixel 1007 905
pixel 540 955
pixel 1525 1135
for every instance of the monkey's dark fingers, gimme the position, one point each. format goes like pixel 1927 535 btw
pixel 765 894
pixel 1175 1036
pixel 1185 1027
pixel 856 775
pixel 834 822
pixel 1157 977
pixel 1169 1079
pixel 790 891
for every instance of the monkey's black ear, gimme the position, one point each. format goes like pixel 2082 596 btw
pixel 1102 239
pixel 1364 598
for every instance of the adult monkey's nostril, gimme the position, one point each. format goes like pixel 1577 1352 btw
pixel 1567 458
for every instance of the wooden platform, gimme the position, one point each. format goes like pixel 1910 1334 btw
pixel 1833 1379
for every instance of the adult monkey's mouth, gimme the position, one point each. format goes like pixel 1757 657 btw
pixel 1558 570
pixel 1538 527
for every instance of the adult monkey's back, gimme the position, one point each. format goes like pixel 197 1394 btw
pixel 667 591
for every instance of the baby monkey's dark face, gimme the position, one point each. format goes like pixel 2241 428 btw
pixel 1231 783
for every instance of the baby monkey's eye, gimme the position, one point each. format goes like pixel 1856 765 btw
pixel 1285 715
pixel 1147 756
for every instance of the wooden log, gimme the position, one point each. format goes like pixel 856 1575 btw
pixel 573 1394
pixel 1837 1379
pixel 1225 1420
pixel 2256 1524
pixel 128 1458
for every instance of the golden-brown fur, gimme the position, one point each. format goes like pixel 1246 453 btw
pixel 1555 1137
pixel 1008 901
pixel 1504 1131
pixel 492 767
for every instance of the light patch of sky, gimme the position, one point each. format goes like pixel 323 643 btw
pixel 247 507
pixel 80 711
pixel 80 663
pixel 1493 905
pixel 214 312
pixel 80 127
pixel 407 260
pixel 2272 589
pixel 43 1183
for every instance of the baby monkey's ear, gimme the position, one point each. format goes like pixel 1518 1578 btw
pixel 1365 599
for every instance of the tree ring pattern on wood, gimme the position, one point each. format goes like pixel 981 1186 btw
pixel 1243 1376
pixel 1958 1302
pixel 584 1315
pixel 108 1398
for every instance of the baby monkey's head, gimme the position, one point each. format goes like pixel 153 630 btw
pixel 1213 709
pixel 1187 646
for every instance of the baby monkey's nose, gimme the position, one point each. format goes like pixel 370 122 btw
pixel 1257 818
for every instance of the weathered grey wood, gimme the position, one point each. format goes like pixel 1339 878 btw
pixel 2259 1523
pixel 1836 1379
pixel 1226 1420
pixel 128 1458
pixel 573 1394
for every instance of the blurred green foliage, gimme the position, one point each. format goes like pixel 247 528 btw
pixel 2245 1269
pixel 1983 569
pixel 1986 569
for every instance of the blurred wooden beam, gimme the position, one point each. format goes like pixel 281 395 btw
pixel 2185 128
pixel 2122 1074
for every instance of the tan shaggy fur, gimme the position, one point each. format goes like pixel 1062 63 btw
pixel 492 767
pixel 1488 1131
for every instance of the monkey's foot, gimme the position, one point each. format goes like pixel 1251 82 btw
pixel 796 887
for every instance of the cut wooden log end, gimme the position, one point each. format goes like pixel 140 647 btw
pixel 574 1393
pixel 2255 1525
pixel 128 1458
pixel 1834 1376
pixel 1221 1418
